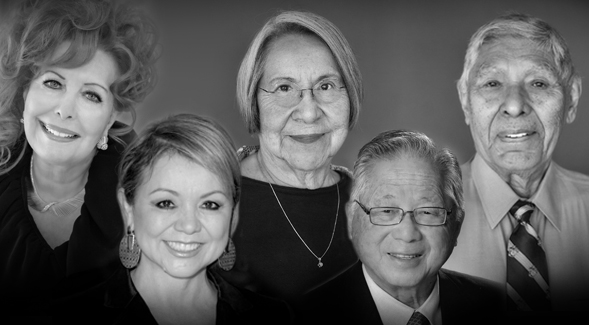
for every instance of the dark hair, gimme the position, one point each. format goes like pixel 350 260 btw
pixel 37 27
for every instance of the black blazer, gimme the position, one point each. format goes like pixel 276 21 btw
pixel 346 299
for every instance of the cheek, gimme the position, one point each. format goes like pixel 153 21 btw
pixel 147 224
pixel 551 120
pixel 441 244
pixel 218 229
pixel 367 240
pixel 95 121
pixel 338 113
pixel 272 117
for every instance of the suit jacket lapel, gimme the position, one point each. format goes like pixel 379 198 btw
pixel 361 300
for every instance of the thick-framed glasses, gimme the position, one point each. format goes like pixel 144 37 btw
pixel 289 94
pixel 389 216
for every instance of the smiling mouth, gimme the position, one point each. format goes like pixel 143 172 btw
pixel 520 135
pixel 57 133
pixel 307 138
pixel 404 256
pixel 182 247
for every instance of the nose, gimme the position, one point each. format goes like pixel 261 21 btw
pixel 516 101
pixel 407 230
pixel 308 109
pixel 188 222
pixel 66 108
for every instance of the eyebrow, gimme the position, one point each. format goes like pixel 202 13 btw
pixel 160 189
pixel 87 84
pixel 322 77
pixel 487 68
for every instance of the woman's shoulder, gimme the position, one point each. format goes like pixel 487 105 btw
pixel 104 299
pixel 240 304
pixel 246 151
pixel 343 171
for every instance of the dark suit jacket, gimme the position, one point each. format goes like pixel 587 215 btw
pixel 346 299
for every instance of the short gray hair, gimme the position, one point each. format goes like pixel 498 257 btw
pixel 392 144
pixel 526 27
pixel 295 22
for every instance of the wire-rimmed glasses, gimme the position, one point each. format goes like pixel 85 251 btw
pixel 288 94
pixel 389 216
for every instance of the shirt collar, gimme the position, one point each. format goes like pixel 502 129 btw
pixel 497 197
pixel 392 311
pixel 548 195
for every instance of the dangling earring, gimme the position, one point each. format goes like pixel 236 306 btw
pixel 227 259
pixel 129 250
pixel 103 143
pixel 22 120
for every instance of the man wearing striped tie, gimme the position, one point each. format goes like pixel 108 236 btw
pixel 526 218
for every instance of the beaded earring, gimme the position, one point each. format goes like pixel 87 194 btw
pixel 227 259
pixel 129 250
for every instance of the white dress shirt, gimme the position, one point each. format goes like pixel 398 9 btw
pixel 561 221
pixel 394 312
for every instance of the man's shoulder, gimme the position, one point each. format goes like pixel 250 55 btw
pixel 464 296
pixel 466 169
pixel 463 280
pixel 572 179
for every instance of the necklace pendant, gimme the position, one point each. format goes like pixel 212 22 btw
pixel 320 263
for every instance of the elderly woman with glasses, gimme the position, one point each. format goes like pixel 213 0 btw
pixel 299 90
pixel 404 216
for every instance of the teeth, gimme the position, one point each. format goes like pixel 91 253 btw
pixel 404 257
pixel 517 135
pixel 182 247
pixel 59 134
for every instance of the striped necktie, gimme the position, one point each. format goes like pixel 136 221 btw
pixel 418 319
pixel 527 272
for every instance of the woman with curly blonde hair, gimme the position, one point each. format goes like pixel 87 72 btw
pixel 67 70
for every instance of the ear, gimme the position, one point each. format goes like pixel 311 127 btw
pixel 350 217
pixel 126 210
pixel 113 118
pixel 575 94
pixel 463 96
pixel 25 92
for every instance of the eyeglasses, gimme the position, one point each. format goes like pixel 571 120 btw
pixel 289 94
pixel 389 216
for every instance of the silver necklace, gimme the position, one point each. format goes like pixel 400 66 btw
pixel 60 209
pixel 320 264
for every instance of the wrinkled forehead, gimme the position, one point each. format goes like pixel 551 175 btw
pixel 404 175
pixel 505 53
pixel 497 50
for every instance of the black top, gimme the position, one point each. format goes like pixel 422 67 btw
pixel 116 301
pixel 271 259
pixel 29 267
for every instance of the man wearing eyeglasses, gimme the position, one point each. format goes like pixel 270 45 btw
pixel 404 215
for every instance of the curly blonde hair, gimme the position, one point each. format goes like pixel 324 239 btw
pixel 36 28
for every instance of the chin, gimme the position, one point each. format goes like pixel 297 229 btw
pixel 520 162
pixel 184 270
